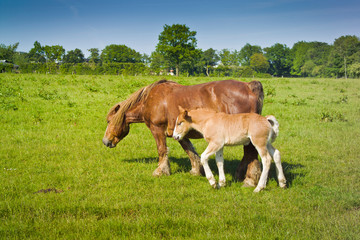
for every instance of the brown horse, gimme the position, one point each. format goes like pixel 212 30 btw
pixel 157 105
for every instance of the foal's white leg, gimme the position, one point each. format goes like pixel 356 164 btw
pixel 275 154
pixel 220 164
pixel 266 162
pixel 210 150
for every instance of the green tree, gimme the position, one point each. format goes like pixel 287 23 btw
pixel 229 58
pixel 246 52
pixel 158 63
pixel 259 63
pixel 280 59
pixel 74 56
pixel 354 70
pixel 177 44
pixel 94 55
pixel 210 59
pixel 312 54
pixel 119 53
pixel 54 53
pixel 7 52
pixel 37 54
pixel 225 57
pixel 345 47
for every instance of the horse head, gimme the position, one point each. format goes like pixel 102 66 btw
pixel 117 127
pixel 182 125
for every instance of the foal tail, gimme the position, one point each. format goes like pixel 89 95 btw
pixel 274 127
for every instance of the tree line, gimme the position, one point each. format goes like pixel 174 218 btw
pixel 177 51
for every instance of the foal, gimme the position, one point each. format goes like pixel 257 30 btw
pixel 220 129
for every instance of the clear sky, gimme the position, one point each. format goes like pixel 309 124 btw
pixel 221 24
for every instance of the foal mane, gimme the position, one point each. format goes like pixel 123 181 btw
pixel 134 98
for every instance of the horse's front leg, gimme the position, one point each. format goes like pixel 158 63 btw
pixel 196 167
pixel 211 149
pixel 160 138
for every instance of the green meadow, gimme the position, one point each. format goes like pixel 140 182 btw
pixel 58 181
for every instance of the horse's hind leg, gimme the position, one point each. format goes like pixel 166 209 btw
pixel 266 162
pixel 220 164
pixel 196 168
pixel 275 154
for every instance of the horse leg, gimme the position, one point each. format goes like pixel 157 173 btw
pixel 164 165
pixel 210 150
pixel 275 154
pixel 220 164
pixel 249 168
pixel 196 168
pixel 266 162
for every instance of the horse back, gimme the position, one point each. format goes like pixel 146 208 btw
pixel 229 96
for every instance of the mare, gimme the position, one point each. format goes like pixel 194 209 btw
pixel 221 129
pixel 157 104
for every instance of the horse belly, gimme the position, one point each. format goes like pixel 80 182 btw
pixel 237 140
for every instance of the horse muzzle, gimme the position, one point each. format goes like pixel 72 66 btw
pixel 108 143
pixel 177 137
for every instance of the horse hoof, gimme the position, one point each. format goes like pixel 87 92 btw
pixel 160 172
pixel 222 184
pixel 248 182
pixel 282 184
pixel 195 172
pixel 257 190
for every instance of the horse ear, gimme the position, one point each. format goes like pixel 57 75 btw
pixel 117 108
pixel 114 109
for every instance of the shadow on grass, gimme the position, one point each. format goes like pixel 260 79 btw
pixel 230 167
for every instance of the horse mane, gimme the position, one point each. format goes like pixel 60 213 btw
pixel 134 98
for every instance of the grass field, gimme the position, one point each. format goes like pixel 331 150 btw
pixel 58 181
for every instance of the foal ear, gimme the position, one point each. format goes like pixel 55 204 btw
pixel 181 109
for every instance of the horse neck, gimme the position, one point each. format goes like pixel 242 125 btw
pixel 135 114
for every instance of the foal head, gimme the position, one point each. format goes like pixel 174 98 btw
pixel 117 128
pixel 183 124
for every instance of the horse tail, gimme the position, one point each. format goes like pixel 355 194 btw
pixel 257 88
pixel 274 127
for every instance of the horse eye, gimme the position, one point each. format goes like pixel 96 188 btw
pixel 180 123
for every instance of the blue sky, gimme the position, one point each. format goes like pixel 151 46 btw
pixel 222 24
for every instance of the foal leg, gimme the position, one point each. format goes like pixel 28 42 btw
pixel 266 162
pixel 275 154
pixel 210 150
pixel 220 164
pixel 196 168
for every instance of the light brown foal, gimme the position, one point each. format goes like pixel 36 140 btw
pixel 220 129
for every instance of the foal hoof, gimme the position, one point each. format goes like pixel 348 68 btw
pixel 282 184
pixel 222 184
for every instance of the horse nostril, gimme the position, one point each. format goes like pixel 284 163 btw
pixel 106 142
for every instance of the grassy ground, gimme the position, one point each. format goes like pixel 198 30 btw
pixel 57 180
